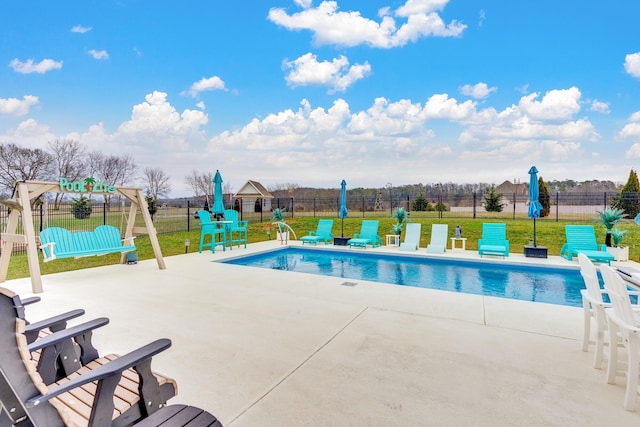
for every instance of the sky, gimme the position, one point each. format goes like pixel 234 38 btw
pixel 309 92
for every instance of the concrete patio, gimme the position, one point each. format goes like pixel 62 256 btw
pixel 263 347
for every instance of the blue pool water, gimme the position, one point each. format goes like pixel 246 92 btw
pixel 541 284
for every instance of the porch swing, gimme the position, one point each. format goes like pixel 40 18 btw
pixel 57 242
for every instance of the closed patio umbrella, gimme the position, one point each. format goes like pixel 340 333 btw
pixel 343 204
pixel 534 205
pixel 218 202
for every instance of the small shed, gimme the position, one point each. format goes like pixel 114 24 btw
pixel 253 197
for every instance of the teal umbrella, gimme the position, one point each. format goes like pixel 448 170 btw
pixel 218 202
pixel 534 194
pixel 343 203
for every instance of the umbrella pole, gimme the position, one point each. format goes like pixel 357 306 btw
pixel 342 233
pixel 534 233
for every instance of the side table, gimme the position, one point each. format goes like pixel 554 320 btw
pixel 393 240
pixel 459 239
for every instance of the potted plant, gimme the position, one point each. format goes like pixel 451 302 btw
pixel 81 207
pixel 277 216
pixel 621 253
pixel 609 217
pixel 400 215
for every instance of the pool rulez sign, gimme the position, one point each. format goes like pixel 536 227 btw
pixel 87 185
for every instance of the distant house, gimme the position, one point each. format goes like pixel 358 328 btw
pixel 508 190
pixel 253 197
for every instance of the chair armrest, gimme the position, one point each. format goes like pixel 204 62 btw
pixel 30 300
pixel 55 323
pixel 130 240
pixel 113 368
pixel 65 334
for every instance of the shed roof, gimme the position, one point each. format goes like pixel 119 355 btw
pixel 253 189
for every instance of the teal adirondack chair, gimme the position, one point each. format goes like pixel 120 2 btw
pixel 322 234
pixel 368 235
pixel 236 226
pixel 582 239
pixel 210 228
pixel 494 240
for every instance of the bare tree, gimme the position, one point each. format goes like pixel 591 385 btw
pixel 69 159
pixel 156 183
pixel 113 170
pixel 201 184
pixel 22 164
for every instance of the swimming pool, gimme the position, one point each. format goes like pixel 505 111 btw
pixel 541 284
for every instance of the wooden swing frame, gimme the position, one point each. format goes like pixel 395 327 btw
pixel 20 205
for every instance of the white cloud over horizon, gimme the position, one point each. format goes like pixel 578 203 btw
pixel 29 66
pixel 388 136
pixel 331 26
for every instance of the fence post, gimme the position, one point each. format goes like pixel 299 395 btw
pixel 188 216
pixel 557 204
pixel 605 200
pixel 314 207
pixel 408 210
pixel 104 213
pixel 514 205
pixel 292 207
pixel 362 206
pixel 475 201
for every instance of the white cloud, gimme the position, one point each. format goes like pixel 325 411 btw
pixel 17 107
pixel 305 4
pixel 632 64
pixel 331 26
pixel 632 129
pixel 600 107
pixel 99 54
pixel 29 133
pixel 557 104
pixel 28 66
pixel 336 74
pixel 206 84
pixel 477 91
pixel 80 29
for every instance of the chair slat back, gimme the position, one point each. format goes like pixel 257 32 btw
pixel 494 233
pixel 62 237
pixel 439 234
pixel 412 234
pixel 16 385
pixel 369 229
pixel 205 217
pixel 581 237
pixel 325 226
pixel 590 276
pixel 619 295
pixel 231 215
pixel 107 237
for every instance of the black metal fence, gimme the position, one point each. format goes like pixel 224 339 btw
pixel 181 216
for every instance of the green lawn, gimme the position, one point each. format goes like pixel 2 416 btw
pixel 519 232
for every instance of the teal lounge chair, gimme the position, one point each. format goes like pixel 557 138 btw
pixel 368 235
pixel 210 228
pixel 439 235
pixel 494 240
pixel 411 237
pixel 322 233
pixel 236 226
pixel 582 239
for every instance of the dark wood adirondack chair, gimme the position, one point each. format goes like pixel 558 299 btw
pixel 27 401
